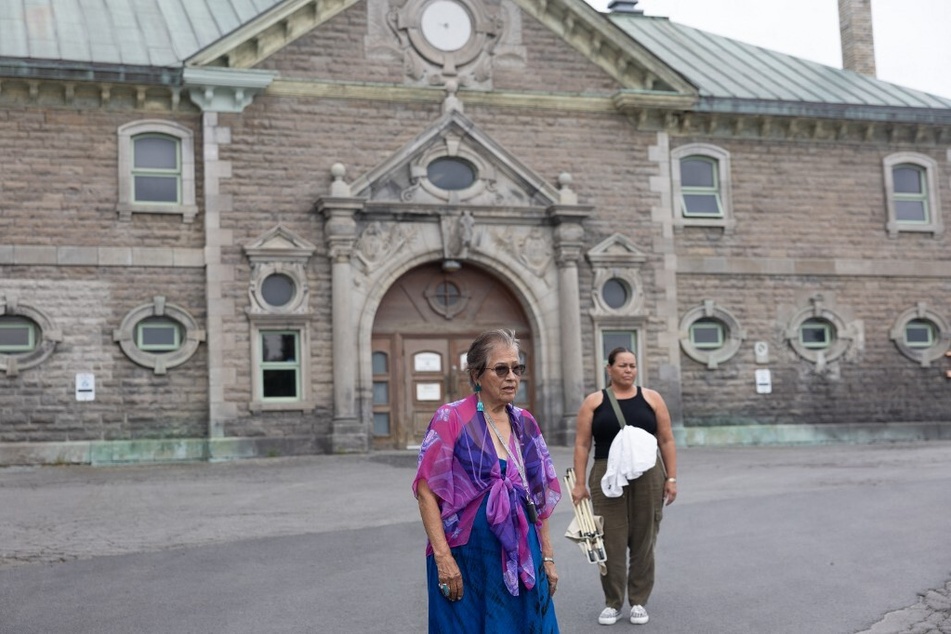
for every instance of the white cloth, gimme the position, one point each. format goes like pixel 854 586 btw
pixel 633 451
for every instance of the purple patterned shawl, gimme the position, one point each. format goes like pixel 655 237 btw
pixel 459 463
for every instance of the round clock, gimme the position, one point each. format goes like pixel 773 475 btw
pixel 446 25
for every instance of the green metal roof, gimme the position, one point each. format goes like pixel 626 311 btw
pixel 737 77
pixel 157 33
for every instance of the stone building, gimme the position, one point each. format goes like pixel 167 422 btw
pixel 272 227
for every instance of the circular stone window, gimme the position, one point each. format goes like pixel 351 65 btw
pixel 447 294
pixel 615 293
pixel 451 173
pixel 278 289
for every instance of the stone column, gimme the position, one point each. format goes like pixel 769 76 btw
pixel 568 242
pixel 349 434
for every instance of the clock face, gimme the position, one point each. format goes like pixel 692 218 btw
pixel 446 25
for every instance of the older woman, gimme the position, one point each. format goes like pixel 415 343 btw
pixel 631 521
pixel 486 486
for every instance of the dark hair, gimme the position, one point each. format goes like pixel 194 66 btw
pixel 612 356
pixel 478 354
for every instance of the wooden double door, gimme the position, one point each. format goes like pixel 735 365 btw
pixel 422 333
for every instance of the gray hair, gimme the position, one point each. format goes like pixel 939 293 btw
pixel 478 354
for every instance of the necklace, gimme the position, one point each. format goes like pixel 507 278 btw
pixel 530 509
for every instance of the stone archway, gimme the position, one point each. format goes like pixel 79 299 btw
pixel 421 332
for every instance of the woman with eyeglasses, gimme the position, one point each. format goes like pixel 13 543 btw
pixel 486 487
pixel 632 518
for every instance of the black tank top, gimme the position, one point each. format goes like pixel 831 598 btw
pixel 605 426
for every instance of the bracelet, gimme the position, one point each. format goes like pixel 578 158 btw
pixel 674 480
pixel 546 560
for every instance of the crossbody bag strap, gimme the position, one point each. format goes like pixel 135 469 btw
pixel 617 407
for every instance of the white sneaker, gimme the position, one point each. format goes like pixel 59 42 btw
pixel 608 616
pixel 639 615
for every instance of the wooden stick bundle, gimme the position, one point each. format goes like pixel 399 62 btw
pixel 590 533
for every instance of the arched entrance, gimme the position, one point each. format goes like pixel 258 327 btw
pixel 421 334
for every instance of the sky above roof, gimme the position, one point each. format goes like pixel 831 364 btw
pixel 912 46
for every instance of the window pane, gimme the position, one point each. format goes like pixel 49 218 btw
pixel 279 347
pixel 15 336
pixel 815 334
pixel 908 180
pixel 278 290
pixel 152 152
pixel 615 293
pixel 697 173
pixel 910 211
pixel 920 334
pixel 381 424
pixel 381 393
pixel 280 383
pixel 451 173
pixel 701 204
pixel 706 334
pixel 156 189
pixel 380 363
pixel 158 334
pixel 447 293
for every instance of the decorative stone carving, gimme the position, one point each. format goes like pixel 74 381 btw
pixel 378 243
pixel 279 252
pixel 533 249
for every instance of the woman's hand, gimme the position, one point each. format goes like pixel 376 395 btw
pixel 449 575
pixel 670 492
pixel 552 575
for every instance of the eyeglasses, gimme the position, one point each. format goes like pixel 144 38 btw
pixel 502 371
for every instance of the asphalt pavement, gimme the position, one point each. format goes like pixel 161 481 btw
pixel 837 539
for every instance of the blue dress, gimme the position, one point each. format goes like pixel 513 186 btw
pixel 486 606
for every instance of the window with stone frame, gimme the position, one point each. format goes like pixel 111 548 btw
pixel 921 334
pixel 159 335
pixel 911 194
pixel 28 336
pixel 702 186
pixel 710 334
pixel 156 170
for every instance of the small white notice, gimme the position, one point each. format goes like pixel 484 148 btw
pixel 764 382
pixel 85 387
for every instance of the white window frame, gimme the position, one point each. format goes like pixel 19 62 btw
pixel 261 324
pixel 929 166
pixel 158 323
pixel 187 207
pixel 18 323
pixel 723 175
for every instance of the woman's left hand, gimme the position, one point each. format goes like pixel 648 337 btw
pixel 670 492
pixel 552 576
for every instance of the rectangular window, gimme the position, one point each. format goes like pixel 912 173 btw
pixel 380 362
pixel 16 335
pixel 280 365
pixel 707 335
pixel 815 335
pixel 919 334
pixel 911 197
pixel 699 187
pixel 156 169
pixel 158 335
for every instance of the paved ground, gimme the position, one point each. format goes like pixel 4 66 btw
pixel 838 539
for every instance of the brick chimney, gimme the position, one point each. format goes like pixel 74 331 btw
pixel 858 46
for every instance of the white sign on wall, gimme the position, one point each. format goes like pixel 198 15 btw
pixel 85 387
pixel 764 382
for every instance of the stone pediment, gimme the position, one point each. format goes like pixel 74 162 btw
pixel 583 28
pixel 280 244
pixel 497 178
pixel 616 251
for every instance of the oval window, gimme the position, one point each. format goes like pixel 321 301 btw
pixel 451 173
pixel 278 289
pixel 615 293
